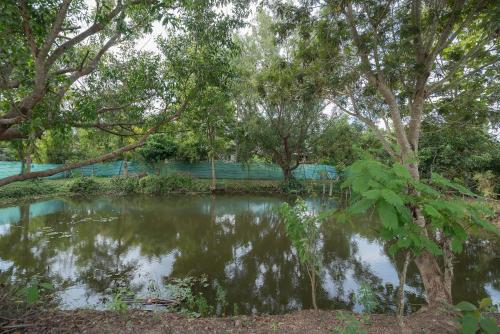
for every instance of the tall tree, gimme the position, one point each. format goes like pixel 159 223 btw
pixel 279 103
pixel 386 59
pixel 47 47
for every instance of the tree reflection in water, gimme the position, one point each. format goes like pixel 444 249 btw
pixel 90 245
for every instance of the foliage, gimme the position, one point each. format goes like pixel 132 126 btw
pixel 118 301
pixel 342 141
pixel 485 183
pixel 34 289
pixel 291 186
pixel 302 227
pixel 278 102
pixel 366 297
pixel 188 291
pixel 393 194
pixel 122 185
pixel 153 184
pixel 84 185
pixel 350 324
pixel 474 318
pixel 220 298
pixel 158 148
pixel 26 189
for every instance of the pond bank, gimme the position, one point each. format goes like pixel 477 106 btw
pixel 306 321
pixel 17 192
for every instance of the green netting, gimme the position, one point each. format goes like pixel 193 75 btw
pixel 202 170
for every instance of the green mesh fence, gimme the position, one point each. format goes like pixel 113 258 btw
pixel 202 170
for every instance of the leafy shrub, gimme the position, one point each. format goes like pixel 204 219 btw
pixel 26 188
pixel 350 324
pixel 188 292
pixel 178 182
pixel 366 297
pixel 292 186
pixel 119 301
pixel 474 318
pixel 123 185
pixel 84 185
pixel 302 227
pixel 34 289
pixel 153 184
pixel 150 184
pixel 485 183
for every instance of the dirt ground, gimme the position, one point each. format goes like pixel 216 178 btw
pixel 135 321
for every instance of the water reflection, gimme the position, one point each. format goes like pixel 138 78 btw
pixel 90 245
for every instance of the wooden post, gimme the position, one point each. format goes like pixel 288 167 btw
pixel 331 189
pixel 125 167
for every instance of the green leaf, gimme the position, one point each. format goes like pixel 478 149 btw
pixel 466 306
pixel 47 286
pixel 484 303
pixel 438 179
pixel 489 325
pixel 387 215
pixel 32 294
pixel 372 194
pixel 401 171
pixel 487 226
pixel 391 197
pixel 431 211
pixel 469 324
pixel 431 246
pixel 361 206
pixel 456 245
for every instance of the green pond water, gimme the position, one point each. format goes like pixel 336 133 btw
pixel 87 246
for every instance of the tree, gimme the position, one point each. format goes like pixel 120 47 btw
pixel 280 106
pixel 51 52
pixel 158 147
pixel 390 58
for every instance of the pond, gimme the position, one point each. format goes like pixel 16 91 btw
pixel 89 246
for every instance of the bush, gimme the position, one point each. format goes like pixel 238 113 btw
pixel 84 185
pixel 123 184
pixel 292 186
pixel 150 184
pixel 153 184
pixel 26 188
pixel 178 182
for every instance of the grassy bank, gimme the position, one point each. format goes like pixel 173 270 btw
pixel 44 188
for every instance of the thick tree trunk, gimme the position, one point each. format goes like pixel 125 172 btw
pixel 433 280
pixel 427 264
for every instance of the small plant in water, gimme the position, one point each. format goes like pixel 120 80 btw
pixel 474 318
pixel 190 302
pixel 220 297
pixel 366 297
pixel 302 227
pixel 119 300
pixel 34 289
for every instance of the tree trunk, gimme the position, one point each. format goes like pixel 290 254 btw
pixel 287 174
pixel 432 276
pixel 214 180
pixel 433 280
pixel 401 292
pixel 28 158
pixel 448 264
